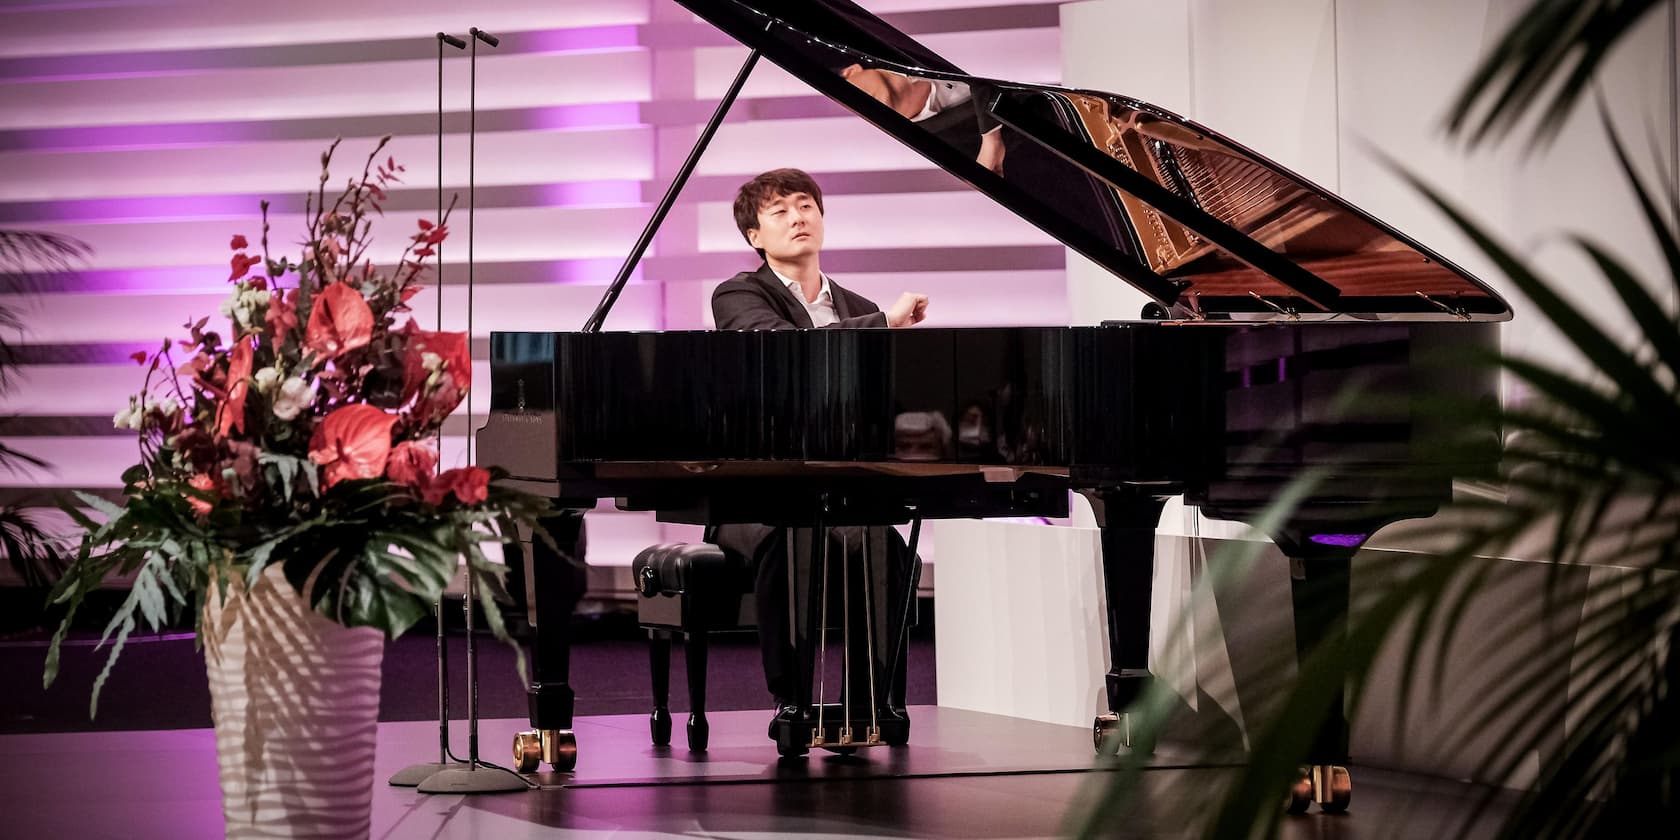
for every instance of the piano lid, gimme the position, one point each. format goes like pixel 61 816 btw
pixel 1194 220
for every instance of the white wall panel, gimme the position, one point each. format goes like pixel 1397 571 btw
pixel 285 167
pixel 1265 75
pixel 119 27
pixel 893 221
pixel 830 144
pixel 314 91
pixel 501 234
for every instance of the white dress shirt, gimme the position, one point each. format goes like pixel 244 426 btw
pixel 822 311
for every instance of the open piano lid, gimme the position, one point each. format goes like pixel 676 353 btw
pixel 1201 224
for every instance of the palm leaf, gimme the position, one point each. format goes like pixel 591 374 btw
pixel 1559 43
pixel 1593 478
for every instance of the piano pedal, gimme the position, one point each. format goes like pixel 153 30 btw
pixel 795 736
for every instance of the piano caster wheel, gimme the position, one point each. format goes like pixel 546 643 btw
pixel 559 749
pixel 527 751
pixel 555 747
pixel 1300 795
pixel 1109 733
pixel 1328 785
pixel 1333 788
pixel 660 724
pixel 699 733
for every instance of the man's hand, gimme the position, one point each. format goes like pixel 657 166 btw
pixel 910 309
pixel 991 150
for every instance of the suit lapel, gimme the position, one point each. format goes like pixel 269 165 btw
pixel 792 307
pixel 842 306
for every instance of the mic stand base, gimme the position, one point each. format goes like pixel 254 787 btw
pixel 414 774
pixel 473 778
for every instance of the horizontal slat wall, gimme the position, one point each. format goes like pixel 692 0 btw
pixel 152 130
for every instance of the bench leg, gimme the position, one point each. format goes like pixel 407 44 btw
pixel 659 657
pixel 698 730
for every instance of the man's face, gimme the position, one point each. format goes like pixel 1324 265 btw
pixel 790 227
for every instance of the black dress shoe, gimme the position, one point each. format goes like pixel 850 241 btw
pixel 785 713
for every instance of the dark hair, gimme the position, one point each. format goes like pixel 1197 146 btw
pixel 767 187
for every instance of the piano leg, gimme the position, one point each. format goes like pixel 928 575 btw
pixel 557 583
pixel 1320 587
pixel 1128 519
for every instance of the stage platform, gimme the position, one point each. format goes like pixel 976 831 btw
pixel 964 774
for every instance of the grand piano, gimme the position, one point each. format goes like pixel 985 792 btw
pixel 1270 298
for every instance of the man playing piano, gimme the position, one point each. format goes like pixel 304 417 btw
pixel 780 213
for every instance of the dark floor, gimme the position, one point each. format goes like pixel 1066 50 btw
pixel 159 681
pixel 148 758
pixel 963 775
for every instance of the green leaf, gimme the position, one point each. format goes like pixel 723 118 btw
pixel 126 627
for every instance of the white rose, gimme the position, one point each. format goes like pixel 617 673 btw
pixel 267 378
pixel 295 396
pixel 128 418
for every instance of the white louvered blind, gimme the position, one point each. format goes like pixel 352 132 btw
pixel 152 130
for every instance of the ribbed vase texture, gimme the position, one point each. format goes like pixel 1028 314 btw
pixel 295 699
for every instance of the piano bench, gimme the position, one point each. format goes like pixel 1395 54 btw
pixel 694 589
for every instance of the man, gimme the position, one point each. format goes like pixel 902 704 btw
pixel 780 214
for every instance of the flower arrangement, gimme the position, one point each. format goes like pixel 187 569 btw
pixel 302 437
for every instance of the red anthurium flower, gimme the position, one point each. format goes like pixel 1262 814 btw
pixel 411 464
pixel 352 442
pixel 201 508
pixel 230 414
pixel 339 321
pixel 139 357
pixel 282 315
pixel 238 242
pixel 452 351
pixel 469 485
pixel 241 264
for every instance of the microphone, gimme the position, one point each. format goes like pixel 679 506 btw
pixel 452 41
pixel 485 37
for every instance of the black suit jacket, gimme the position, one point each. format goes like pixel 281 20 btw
pixel 758 300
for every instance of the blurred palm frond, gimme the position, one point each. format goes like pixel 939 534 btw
pixel 1558 44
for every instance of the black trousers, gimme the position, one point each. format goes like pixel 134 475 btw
pixel 869 570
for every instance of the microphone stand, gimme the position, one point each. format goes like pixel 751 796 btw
pixel 478 776
pixel 414 774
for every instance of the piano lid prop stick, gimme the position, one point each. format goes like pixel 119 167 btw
pixel 599 316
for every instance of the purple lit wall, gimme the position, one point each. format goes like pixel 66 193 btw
pixel 151 131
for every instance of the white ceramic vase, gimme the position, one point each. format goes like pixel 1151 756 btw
pixel 295 698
